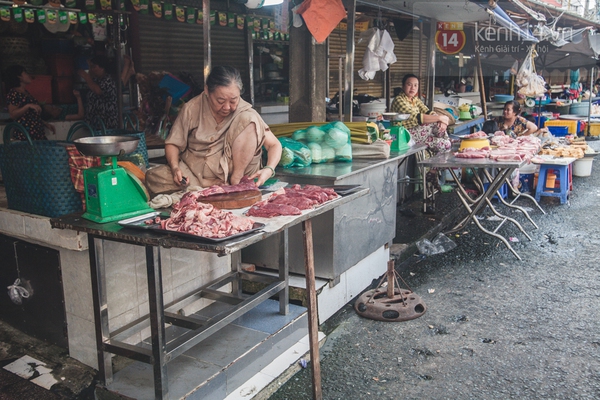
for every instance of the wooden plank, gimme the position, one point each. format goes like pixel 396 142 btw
pixel 313 319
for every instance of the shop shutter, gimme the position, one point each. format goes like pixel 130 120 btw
pixel 175 47
pixel 406 51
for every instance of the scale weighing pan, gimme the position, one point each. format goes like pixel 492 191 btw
pixel 106 145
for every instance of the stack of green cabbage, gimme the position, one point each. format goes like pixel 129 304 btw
pixel 327 143
pixel 294 153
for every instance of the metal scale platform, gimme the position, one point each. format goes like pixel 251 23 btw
pixel 112 193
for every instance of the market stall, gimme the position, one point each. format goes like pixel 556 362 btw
pixel 162 352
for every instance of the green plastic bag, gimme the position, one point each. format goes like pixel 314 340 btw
pixel 294 154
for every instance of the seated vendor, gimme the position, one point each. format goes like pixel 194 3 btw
pixel 425 126
pixel 216 139
pixel 513 124
pixel 22 106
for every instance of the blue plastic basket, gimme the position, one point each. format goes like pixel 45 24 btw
pixel 37 176
pixel 559 130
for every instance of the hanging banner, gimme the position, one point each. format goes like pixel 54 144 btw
pixel 17 14
pixel 450 37
pixel 190 15
pixel 83 18
pixel 105 5
pixel 41 16
pixel 200 19
pixel 240 21
pixel 90 4
pixel 29 15
pixel 144 8
pixel 72 17
pixel 5 14
pixel 222 18
pixel 136 5
pixel 168 10
pixel 157 9
pixel 180 13
pixel 92 18
pixel 51 16
pixel 63 17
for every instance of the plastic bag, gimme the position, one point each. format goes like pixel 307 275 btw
pixel 294 154
pixel 327 143
pixel 17 293
pixel 531 84
pixel 441 244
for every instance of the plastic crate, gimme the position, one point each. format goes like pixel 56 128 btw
pixel 572 125
pixel 559 130
pixel 595 129
pixel 503 190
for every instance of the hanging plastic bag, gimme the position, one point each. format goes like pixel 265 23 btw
pixel 531 84
pixel 17 293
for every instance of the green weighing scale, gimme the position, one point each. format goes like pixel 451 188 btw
pixel 400 135
pixel 111 192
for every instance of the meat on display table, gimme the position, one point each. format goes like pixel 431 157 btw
pixel 161 352
pixel 476 206
pixel 352 231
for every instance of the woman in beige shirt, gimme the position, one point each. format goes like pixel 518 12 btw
pixel 216 139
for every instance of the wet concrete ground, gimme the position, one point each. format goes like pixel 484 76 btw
pixel 495 327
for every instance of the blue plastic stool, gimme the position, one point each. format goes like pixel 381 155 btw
pixel 562 174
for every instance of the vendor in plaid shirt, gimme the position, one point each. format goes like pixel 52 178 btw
pixel 425 126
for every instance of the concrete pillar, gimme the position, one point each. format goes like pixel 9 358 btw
pixel 308 77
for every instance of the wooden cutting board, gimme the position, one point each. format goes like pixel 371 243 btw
pixel 233 200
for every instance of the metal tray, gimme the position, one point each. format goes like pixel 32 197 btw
pixel 139 223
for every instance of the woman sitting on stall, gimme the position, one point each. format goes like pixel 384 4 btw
pixel 102 97
pixel 425 126
pixel 22 106
pixel 513 124
pixel 216 139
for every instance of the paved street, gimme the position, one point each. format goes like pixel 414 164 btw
pixel 495 328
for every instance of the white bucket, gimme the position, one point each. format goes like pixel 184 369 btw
pixel 372 109
pixel 583 166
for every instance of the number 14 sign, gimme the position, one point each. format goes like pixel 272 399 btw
pixel 450 37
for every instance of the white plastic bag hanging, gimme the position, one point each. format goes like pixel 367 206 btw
pixel 17 293
pixel 530 83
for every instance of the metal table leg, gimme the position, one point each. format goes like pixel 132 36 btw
pixel 157 322
pixel 97 268
pixel 284 269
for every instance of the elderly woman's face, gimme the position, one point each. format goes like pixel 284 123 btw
pixel 224 99
pixel 411 87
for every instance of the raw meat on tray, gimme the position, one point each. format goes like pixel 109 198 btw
pixel 196 218
pixel 291 201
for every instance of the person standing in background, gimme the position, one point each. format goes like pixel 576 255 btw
pixel 102 97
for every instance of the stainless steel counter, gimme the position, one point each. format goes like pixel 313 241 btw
pixel 349 233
